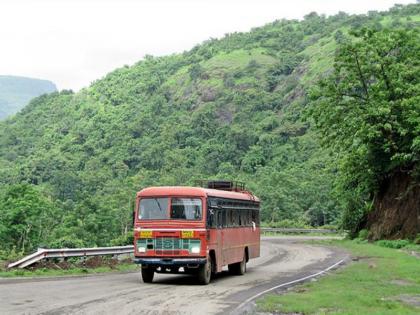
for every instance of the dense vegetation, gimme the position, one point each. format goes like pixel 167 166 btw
pixel 70 164
pixel 368 110
pixel 16 92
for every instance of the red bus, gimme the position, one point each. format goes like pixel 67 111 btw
pixel 196 230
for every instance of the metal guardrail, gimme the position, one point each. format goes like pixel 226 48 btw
pixel 118 250
pixel 70 252
pixel 293 230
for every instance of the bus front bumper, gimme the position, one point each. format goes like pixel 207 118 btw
pixel 170 261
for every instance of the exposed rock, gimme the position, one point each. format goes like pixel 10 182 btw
pixel 396 213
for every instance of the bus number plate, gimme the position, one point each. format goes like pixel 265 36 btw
pixel 145 234
pixel 187 234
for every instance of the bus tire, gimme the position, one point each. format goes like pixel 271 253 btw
pixel 147 274
pixel 238 268
pixel 204 272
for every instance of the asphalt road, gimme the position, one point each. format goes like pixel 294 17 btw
pixel 283 259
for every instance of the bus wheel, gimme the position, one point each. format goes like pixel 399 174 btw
pixel 204 272
pixel 147 274
pixel 238 268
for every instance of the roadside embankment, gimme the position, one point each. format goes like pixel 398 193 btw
pixel 378 280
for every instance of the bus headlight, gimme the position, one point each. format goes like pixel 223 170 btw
pixel 195 250
pixel 141 249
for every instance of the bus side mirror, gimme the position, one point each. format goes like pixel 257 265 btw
pixel 134 217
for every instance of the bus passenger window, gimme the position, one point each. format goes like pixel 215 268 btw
pixel 256 217
pixel 229 218
pixel 211 218
pixel 235 215
pixel 223 218
pixel 219 219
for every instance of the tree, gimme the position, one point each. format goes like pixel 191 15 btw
pixel 196 71
pixel 26 218
pixel 368 110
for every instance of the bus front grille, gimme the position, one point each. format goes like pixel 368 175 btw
pixel 168 245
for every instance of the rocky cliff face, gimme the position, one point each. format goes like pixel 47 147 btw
pixel 396 213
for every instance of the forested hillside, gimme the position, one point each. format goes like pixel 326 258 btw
pixel 16 92
pixel 236 107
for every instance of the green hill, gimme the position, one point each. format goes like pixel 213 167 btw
pixel 228 108
pixel 16 92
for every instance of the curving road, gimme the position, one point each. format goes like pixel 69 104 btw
pixel 283 259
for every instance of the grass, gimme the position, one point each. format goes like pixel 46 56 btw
pixel 370 285
pixel 321 59
pixel 181 84
pixel 237 59
pixel 47 272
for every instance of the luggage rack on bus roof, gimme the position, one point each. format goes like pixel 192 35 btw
pixel 221 185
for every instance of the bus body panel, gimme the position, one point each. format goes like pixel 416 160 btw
pixel 235 240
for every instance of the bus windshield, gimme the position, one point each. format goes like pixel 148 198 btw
pixel 180 209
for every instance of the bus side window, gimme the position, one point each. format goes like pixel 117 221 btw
pixel 219 219
pixel 223 218
pixel 246 216
pixel 256 217
pixel 235 217
pixel 211 218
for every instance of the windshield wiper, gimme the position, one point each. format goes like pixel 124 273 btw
pixel 160 208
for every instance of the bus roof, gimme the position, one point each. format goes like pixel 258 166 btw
pixel 194 192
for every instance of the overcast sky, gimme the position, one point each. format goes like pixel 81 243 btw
pixel 73 42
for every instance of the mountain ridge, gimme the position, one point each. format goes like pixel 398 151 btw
pixel 17 91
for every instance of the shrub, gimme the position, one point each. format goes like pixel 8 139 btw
pixel 11 255
pixel 393 243
pixel 66 242
pixel 328 227
pixel 287 223
pixel 363 234
pixel 126 239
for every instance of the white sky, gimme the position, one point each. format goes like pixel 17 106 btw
pixel 73 42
